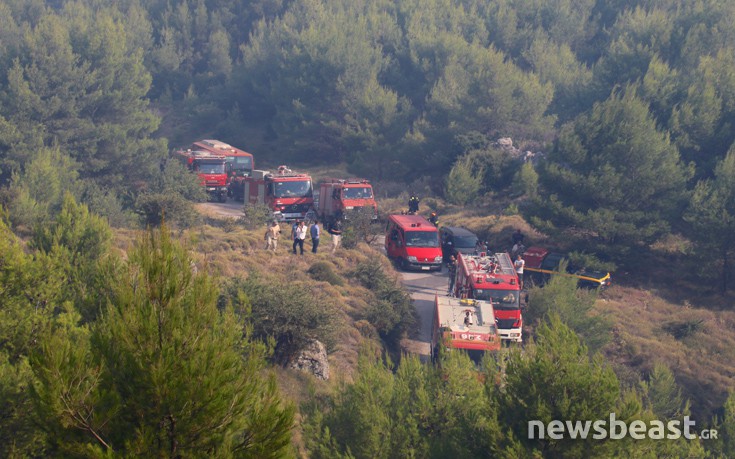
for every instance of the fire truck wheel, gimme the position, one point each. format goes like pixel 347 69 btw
pixel 222 197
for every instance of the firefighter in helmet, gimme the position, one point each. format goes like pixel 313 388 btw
pixel 433 218
pixel 413 204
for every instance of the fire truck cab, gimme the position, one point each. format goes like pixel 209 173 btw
pixel 464 324
pixel 287 194
pixel 210 169
pixel 413 242
pixel 339 197
pixel 492 277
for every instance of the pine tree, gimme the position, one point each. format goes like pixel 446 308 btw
pixel 662 392
pixel 711 216
pixel 555 379
pixel 560 296
pixel 162 372
pixel 463 182
pixel 613 173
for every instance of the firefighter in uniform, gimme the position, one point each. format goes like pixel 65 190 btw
pixel 434 219
pixel 413 204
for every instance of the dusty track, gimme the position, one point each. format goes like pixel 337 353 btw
pixel 232 209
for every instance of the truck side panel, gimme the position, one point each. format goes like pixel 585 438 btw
pixel 326 190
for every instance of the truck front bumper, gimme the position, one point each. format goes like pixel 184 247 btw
pixel 511 334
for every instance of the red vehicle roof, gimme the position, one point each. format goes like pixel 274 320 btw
pixel 481 334
pixel 413 223
pixel 479 270
pixel 218 147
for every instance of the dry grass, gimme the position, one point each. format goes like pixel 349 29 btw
pixel 239 252
pixel 703 363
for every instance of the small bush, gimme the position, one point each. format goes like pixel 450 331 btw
pixel 360 226
pixel 391 312
pixel 291 314
pixel 154 208
pixel 108 203
pixel 590 261
pixel 322 271
pixel 463 182
pixel 512 209
pixel 683 329
pixel 229 224
pixel 255 216
pixel 525 182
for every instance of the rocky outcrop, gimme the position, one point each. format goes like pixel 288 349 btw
pixel 312 359
pixel 506 144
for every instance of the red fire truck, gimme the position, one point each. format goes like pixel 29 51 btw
pixel 464 324
pixel 492 277
pixel 288 194
pixel 210 169
pixel 240 162
pixel 339 197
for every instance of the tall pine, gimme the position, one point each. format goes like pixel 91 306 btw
pixel 162 373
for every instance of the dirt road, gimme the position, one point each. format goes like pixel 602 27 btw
pixel 230 208
pixel 423 287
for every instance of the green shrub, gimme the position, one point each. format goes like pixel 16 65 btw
pixel 255 216
pixel 154 208
pixel 525 182
pixel 322 271
pixel 683 329
pixel 560 296
pixel 463 182
pixel 590 261
pixel 391 311
pixel 360 227
pixel 291 314
pixel 512 209
pixel 229 224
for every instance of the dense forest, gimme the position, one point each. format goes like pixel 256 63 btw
pixel 627 106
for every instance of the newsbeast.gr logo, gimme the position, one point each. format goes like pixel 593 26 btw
pixel 615 429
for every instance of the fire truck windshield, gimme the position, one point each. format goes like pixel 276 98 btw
pixel 502 299
pixel 361 192
pixel 210 168
pixel 422 239
pixel 292 189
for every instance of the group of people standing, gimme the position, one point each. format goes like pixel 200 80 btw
pixel 299 232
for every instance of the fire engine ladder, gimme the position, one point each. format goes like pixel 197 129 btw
pixel 505 264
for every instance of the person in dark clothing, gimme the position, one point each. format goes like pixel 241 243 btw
pixel 316 232
pixel 517 238
pixel 434 219
pixel 413 204
pixel 335 229
pixel 452 266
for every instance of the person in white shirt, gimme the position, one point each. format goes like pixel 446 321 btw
pixel 519 264
pixel 299 234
